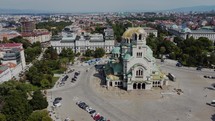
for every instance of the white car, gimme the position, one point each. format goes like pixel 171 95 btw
pixel 88 109
pixel 57 104
pixel 67 119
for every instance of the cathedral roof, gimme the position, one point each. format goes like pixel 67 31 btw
pixel 116 50
pixel 130 31
pixel 127 56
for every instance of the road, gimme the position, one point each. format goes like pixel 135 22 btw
pixel 30 64
pixel 82 91
pixel 168 109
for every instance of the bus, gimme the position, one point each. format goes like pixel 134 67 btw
pixel 171 77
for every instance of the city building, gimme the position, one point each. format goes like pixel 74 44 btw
pixel 29 32
pixel 5 74
pixel 132 65
pixel 8 34
pixel 185 32
pixel 27 25
pixel 80 42
pixel 12 55
pixel 150 30
pixel 37 35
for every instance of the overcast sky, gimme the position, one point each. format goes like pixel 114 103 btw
pixel 101 5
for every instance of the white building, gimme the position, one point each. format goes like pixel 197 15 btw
pixel 185 33
pixel 80 43
pixel 132 65
pixel 150 30
pixel 12 55
pixel 5 74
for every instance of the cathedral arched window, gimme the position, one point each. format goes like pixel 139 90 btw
pixel 135 36
pixel 139 73
pixel 140 37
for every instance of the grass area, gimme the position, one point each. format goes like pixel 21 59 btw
pixel 59 71
pixel 54 80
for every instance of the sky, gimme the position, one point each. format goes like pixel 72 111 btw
pixel 101 5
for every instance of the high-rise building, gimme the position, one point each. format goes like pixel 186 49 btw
pixel 27 25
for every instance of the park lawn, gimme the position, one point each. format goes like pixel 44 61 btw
pixel 54 80
pixel 59 71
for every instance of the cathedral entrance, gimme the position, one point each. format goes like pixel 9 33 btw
pixel 139 86
pixel 143 86
pixel 110 83
pixel 134 86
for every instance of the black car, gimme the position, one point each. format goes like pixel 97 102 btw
pixel 205 76
pixel 58 98
pixel 199 68
pixel 179 64
pixel 56 101
pixel 77 73
pixel 92 111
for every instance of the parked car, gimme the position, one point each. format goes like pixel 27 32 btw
pixel 199 68
pixel 101 119
pixel 205 76
pixel 58 98
pixel 90 110
pixel 58 104
pixel 67 119
pixel 97 116
pixel 79 102
pixel 178 64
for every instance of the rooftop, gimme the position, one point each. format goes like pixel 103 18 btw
pixel 3 68
pixel 130 31
pixel 11 45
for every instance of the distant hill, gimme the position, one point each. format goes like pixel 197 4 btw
pixel 194 8
pixel 20 11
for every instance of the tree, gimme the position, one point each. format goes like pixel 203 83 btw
pixel 99 52
pixel 39 115
pixel 47 118
pixel 2 117
pixel 162 50
pixel 50 54
pixel 16 106
pixel 45 83
pixel 89 53
pixel 38 101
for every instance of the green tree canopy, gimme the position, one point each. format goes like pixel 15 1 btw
pixel 38 101
pixel 39 115
pixel 99 52
pixel 16 106
pixel 2 117
pixel 89 53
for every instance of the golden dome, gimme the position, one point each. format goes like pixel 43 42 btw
pixel 130 31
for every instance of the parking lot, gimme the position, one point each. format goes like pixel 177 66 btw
pixel 153 105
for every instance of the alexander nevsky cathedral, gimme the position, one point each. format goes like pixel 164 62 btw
pixel 132 65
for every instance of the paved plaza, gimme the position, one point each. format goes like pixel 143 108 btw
pixel 139 105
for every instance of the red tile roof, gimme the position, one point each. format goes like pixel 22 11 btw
pixel 10 45
pixel 10 65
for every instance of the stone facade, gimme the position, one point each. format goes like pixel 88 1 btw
pixel 80 43
pixel 132 65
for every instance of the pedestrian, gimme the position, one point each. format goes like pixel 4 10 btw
pixel 206 95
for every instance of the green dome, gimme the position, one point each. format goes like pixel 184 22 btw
pixel 116 50
pixel 174 26
pixel 127 56
pixel 186 30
